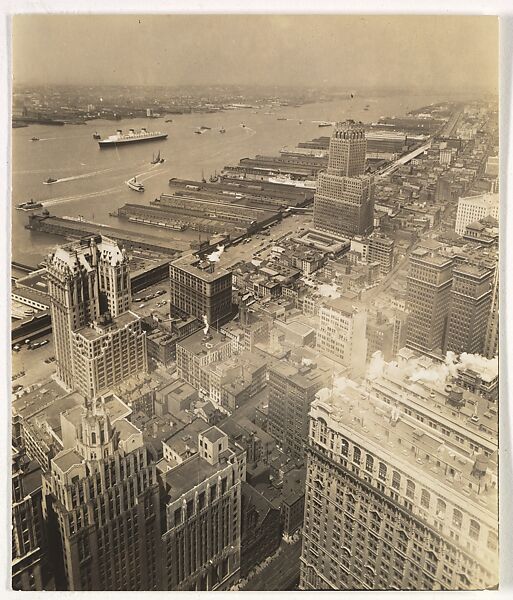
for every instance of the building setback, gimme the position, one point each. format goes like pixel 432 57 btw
pixel 343 203
pixel 86 279
pixel 101 499
pixel 470 306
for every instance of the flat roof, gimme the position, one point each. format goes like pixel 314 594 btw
pixel 97 330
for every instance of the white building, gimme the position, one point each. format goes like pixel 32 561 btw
pixel 475 208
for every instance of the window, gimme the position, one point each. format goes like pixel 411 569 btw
pixel 440 508
pixel 369 463
pixel 474 529
pixel 344 449
pixel 357 455
pixel 382 473
pixel 410 489
pixel 425 499
pixel 396 480
pixel 492 540
pixel 457 518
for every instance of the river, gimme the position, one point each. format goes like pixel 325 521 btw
pixel 92 180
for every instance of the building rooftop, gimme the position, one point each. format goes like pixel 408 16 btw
pixel 213 434
pixel 206 270
pixel 413 443
pixel 98 329
pixel 200 344
pixel 66 459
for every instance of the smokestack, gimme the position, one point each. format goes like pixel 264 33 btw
pixel 205 320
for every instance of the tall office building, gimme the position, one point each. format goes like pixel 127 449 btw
pixel 343 203
pixel 85 280
pixel 475 208
pixel 342 334
pixel 28 540
pixel 292 387
pixel 101 499
pixel 491 345
pixel 470 304
pixel 200 288
pixel 202 543
pixel 428 293
pixel 108 351
pixel 400 496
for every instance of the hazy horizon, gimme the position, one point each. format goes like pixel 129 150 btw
pixel 451 53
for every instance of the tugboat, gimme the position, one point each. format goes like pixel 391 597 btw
pixel 34 139
pixel 156 160
pixel 96 136
pixel 222 130
pixel 49 181
pixel 133 184
pixel 30 205
pixel 213 178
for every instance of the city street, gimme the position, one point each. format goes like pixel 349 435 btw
pixel 281 574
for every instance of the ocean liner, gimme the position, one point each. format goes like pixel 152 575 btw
pixel 120 138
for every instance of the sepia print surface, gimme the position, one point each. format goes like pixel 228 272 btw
pixel 254 302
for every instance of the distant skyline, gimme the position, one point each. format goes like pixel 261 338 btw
pixel 450 53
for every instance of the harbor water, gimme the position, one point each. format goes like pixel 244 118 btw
pixel 91 182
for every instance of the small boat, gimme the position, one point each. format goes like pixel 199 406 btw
pixel 281 119
pixel 243 124
pixel 96 136
pixel 198 131
pixel 168 121
pixel 133 184
pixel 300 122
pixel 222 130
pixel 156 160
pixel 34 139
pixel 325 124
pixel 30 205
pixel 366 108
pixel 213 178
pixel 49 181
pixel 205 128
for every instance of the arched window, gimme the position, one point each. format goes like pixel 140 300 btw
pixel 474 529
pixel 440 508
pixel 425 498
pixel 344 448
pixel 410 489
pixel 382 473
pixel 369 463
pixel 357 455
pixel 396 480
pixel 457 518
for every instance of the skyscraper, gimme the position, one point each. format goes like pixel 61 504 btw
pixel 201 544
pixel 428 292
pixel 343 204
pixel 200 288
pixel 101 499
pixel 107 352
pixel 395 498
pixel 292 387
pixel 491 345
pixel 342 334
pixel 470 305
pixel 86 279
pixel 475 208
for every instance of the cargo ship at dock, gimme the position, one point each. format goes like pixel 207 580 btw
pixel 132 137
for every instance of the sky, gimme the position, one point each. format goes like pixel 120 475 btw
pixel 447 53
